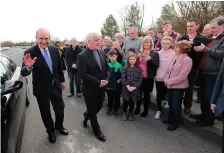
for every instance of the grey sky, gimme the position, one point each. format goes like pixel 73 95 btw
pixel 64 18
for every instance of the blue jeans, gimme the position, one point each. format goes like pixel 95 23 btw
pixel 174 97
pixel 74 76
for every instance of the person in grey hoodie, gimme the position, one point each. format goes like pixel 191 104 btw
pixel 210 65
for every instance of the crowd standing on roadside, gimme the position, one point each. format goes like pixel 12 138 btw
pixel 123 71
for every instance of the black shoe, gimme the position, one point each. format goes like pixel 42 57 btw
pixel 195 116
pixel 144 114
pixel 172 128
pixel 137 111
pixel 85 120
pixel 166 122
pixel 63 131
pixel 203 123
pixel 187 111
pixel 101 137
pixel 52 137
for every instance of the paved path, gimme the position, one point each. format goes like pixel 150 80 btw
pixel 143 135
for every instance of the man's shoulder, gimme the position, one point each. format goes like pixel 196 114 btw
pixel 31 49
pixel 53 48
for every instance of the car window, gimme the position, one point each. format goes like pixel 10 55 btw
pixel 3 74
pixel 9 65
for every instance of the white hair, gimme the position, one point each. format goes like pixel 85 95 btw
pixel 91 35
pixel 134 28
pixel 119 35
pixel 74 39
pixel 108 38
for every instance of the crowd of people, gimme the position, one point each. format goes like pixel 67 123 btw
pixel 129 67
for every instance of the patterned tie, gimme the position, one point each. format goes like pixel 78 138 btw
pixel 48 59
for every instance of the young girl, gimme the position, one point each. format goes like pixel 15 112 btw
pixel 165 56
pixel 131 81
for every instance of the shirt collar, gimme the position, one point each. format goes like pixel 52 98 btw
pixel 42 49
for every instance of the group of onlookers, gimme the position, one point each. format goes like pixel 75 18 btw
pixel 175 63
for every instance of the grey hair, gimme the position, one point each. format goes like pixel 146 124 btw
pixel 91 35
pixel 135 28
pixel 219 20
pixel 108 38
pixel 74 39
pixel 119 34
pixel 147 38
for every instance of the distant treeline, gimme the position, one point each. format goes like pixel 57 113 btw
pixel 10 43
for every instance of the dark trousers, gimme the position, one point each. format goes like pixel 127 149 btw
pixel 129 104
pixel 94 103
pixel 161 91
pixel 192 77
pixel 113 100
pixel 146 88
pixel 58 106
pixel 174 97
pixel 207 85
pixel 74 76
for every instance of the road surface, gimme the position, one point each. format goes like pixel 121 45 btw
pixel 143 135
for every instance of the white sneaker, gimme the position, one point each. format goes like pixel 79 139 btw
pixel 157 116
pixel 167 105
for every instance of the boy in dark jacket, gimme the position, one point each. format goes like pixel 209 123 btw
pixel 113 88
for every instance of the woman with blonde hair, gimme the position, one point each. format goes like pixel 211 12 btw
pixel 148 62
pixel 165 56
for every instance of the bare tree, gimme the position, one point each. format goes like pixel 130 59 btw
pixel 132 15
pixel 180 11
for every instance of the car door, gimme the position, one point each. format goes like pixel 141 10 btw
pixel 15 107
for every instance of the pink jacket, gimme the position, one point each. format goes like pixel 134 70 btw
pixel 176 74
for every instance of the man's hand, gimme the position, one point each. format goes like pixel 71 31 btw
pixel 28 61
pixel 103 83
pixel 213 108
pixel 199 48
pixel 74 66
pixel 63 85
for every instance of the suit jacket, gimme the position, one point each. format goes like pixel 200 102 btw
pixel 71 57
pixel 42 76
pixel 90 71
pixel 177 72
pixel 218 92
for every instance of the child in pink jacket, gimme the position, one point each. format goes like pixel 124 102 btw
pixel 176 82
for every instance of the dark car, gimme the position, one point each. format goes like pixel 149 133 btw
pixel 14 100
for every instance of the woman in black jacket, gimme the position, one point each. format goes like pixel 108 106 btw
pixel 148 62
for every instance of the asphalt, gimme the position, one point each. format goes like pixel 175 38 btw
pixel 143 135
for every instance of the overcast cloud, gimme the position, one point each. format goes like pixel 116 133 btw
pixel 63 18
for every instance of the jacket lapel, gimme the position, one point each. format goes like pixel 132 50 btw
pixel 91 56
pixel 178 61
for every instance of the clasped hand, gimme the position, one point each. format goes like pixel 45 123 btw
pixel 130 88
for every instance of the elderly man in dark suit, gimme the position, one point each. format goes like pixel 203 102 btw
pixel 71 55
pixel 48 81
pixel 95 74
